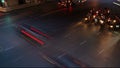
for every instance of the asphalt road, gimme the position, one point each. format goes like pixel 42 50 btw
pixel 69 34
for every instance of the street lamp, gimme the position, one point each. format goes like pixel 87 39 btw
pixel 114 21
pixel 3 1
pixel 111 26
pixel 86 19
pixel 101 21
pixel 117 26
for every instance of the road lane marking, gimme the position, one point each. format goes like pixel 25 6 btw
pixel 116 3
pixel 51 12
pixel 48 59
pixel 101 52
pixel 67 35
pixel 9 48
pixel 83 42
pixel 61 55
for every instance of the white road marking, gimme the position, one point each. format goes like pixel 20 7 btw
pixel 116 3
pixel 100 52
pixel 51 12
pixel 9 48
pixel 83 42
pixel 66 35
pixel 48 59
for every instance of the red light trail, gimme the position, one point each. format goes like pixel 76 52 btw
pixel 34 38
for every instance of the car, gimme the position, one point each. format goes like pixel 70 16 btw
pixel 68 61
pixel 61 4
pixel 116 27
pixel 26 31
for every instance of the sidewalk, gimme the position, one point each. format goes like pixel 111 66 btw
pixel 20 6
pixel 43 7
pixel 7 9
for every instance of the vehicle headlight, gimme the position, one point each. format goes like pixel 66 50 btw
pixel 117 26
pixel 111 26
pixel 101 21
pixel 114 21
pixel 86 19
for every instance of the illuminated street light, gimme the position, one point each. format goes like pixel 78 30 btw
pixel 3 1
pixel 114 21
pixel 109 20
pixel 96 20
pixel 117 26
pixel 111 26
pixel 97 12
pixel 69 1
pixel 101 21
pixel 86 19
pixel 108 11
pixel 94 16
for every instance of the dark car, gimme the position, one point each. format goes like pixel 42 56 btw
pixel 26 31
pixel 68 61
